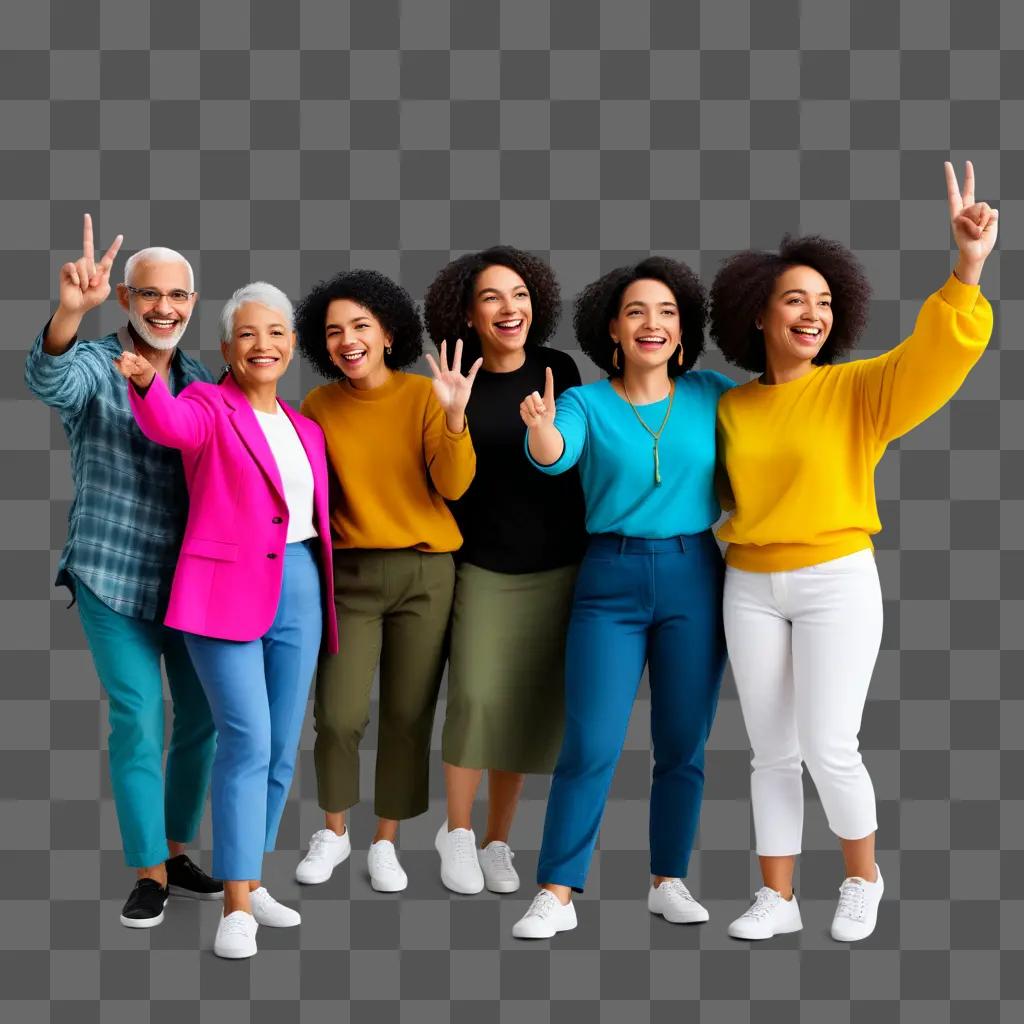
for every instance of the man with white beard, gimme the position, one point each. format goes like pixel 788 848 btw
pixel 124 530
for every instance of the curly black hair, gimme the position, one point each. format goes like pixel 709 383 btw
pixel 450 296
pixel 744 284
pixel 598 304
pixel 390 303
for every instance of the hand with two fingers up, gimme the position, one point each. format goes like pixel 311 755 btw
pixel 975 225
pixel 84 285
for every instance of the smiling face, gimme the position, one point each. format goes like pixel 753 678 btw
pixel 159 321
pixel 501 311
pixel 798 317
pixel 356 342
pixel 260 347
pixel 648 325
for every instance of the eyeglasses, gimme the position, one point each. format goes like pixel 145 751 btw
pixel 177 295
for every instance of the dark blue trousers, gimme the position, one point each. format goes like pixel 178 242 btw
pixel 637 601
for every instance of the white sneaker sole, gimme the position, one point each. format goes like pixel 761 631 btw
pixel 320 877
pixel 235 954
pixel 771 935
pixel 388 884
pixel 518 933
pixel 145 922
pixel 697 918
pixel 511 885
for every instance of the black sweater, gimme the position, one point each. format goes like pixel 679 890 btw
pixel 513 518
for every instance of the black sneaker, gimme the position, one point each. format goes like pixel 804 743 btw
pixel 145 906
pixel 184 878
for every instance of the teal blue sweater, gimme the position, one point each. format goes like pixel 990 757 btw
pixel 616 459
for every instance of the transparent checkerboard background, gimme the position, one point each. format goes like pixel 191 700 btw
pixel 287 141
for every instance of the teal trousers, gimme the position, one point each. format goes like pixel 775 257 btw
pixel 153 805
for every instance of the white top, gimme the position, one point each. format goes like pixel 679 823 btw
pixel 296 472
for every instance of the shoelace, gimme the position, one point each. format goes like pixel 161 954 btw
pixel 462 845
pixel 502 856
pixel 318 842
pixel 543 904
pixel 851 900
pixel 385 858
pixel 235 925
pixel 764 901
pixel 262 897
pixel 677 887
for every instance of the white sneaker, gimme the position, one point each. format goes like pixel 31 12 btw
pixel 236 936
pixel 268 911
pixel 460 867
pixel 386 874
pixel 673 901
pixel 857 912
pixel 768 915
pixel 326 851
pixel 546 917
pixel 496 864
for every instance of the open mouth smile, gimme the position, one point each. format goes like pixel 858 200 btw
pixel 508 326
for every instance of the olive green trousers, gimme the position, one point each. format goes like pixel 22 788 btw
pixel 393 608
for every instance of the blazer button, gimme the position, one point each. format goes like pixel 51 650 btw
pixel 271 555
pixel 277 519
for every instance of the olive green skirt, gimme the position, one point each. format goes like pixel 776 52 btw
pixel 506 669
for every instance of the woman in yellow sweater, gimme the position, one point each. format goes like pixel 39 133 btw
pixel 802 605
pixel 397 447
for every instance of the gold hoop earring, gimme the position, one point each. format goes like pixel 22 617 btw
pixel 679 357
pixel 615 357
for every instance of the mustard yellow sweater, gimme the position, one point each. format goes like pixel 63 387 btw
pixel 800 457
pixel 393 462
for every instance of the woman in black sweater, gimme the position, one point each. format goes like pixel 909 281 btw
pixel 523 536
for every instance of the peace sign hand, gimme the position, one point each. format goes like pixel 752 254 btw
pixel 975 225
pixel 85 284
pixel 451 387
pixel 537 411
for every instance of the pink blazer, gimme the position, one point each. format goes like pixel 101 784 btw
pixel 228 579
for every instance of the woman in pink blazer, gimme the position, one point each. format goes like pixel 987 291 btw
pixel 249 587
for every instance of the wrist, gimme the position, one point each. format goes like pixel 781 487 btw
pixel 455 421
pixel 968 271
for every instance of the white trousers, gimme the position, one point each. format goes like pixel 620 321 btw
pixel 803 645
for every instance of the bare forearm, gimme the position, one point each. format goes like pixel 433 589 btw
pixel 61 332
pixel 546 444
pixel 969 271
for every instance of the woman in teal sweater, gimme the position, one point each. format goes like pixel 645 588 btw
pixel 649 590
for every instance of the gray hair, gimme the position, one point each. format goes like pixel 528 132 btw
pixel 260 292
pixel 157 254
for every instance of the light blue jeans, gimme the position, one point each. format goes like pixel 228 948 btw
pixel 257 692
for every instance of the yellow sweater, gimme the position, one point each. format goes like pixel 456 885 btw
pixel 800 457
pixel 393 462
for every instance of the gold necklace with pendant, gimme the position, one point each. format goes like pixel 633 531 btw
pixel 655 434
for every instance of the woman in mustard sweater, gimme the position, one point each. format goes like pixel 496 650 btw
pixel 802 605
pixel 397 447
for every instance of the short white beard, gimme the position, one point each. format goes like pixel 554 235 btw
pixel 160 344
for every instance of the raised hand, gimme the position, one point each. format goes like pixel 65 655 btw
pixel 538 411
pixel 451 387
pixel 138 369
pixel 85 284
pixel 975 225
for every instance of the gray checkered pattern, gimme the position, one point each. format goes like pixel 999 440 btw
pixel 286 141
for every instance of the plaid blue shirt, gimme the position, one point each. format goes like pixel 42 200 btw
pixel 128 514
